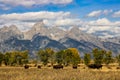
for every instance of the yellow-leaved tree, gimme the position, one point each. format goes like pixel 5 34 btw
pixel 75 56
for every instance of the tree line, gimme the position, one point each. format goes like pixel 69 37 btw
pixel 70 56
pixel 65 57
pixel 14 58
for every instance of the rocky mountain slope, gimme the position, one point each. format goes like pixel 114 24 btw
pixel 40 37
pixel 7 32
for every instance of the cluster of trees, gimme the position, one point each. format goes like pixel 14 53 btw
pixel 72 56
pixel 65 57
pixel 101 57
pixel 14 58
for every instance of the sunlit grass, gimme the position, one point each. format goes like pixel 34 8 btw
pixel 19 73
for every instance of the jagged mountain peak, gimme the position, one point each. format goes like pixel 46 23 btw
pixel 11 31
pixel 4 28
pixel 75 31
pixel 12 28
pixel 15 29
pixel 56 29
pixel 75 28
pixel 38 25
pixel 56 33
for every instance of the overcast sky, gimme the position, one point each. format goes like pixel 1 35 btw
pixel 90 15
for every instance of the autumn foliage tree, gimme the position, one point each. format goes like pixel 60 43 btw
pixel 75 56
pixel 16 58
pixel 67 56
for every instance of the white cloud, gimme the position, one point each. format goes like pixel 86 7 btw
pixel 95 13
pixel 70 22
pixel 106 12
pixel 102 21
pixel 29 3
pixel 49 19
pixel 116 14
pixel 25 21
pixel 103 25
pixel 35 16
pixel 64 24
pixel 99 13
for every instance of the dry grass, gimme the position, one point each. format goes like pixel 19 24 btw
pixel 19 73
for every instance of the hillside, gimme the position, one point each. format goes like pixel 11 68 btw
pixel 40 37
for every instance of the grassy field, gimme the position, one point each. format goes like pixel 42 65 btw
pixel 19 73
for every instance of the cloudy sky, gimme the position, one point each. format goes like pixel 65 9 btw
pixel 99 17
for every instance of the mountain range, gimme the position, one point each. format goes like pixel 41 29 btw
pixel 41 37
